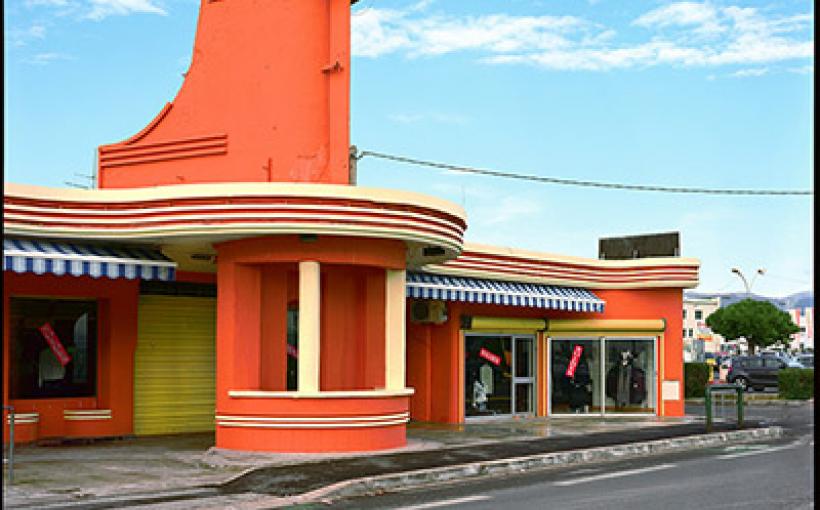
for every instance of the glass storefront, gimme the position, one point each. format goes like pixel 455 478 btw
pixel 575 367
pixel 602 375
pixel 499 375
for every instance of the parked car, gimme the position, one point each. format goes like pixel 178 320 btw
pixel 807 360
pixel 790 360
pixel 755 372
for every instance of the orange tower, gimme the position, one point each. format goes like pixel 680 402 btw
pixel 266 99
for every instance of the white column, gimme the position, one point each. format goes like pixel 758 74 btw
pixel 309 304
pixel 394 316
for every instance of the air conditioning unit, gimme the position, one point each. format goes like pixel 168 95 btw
pixel 428 312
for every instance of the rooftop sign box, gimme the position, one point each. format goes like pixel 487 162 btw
pixel 640 246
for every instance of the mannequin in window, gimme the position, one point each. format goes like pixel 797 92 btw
pixel 580 387
pixel 625 382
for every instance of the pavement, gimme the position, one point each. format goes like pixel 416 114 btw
pixel 187 470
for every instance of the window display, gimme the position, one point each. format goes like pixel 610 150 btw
pixel 497 380
pixel 630 381
pixel 575 376
pixel 583 383
pixel 53 348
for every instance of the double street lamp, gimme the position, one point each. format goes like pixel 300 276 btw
pixel 746 283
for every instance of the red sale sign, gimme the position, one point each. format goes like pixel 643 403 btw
pixel 55 344
pixel 495 359
pixel 573 362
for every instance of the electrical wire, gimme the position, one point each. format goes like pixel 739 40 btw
pixel 577 182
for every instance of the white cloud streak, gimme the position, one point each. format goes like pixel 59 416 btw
pixel 101 9
pixel 688 34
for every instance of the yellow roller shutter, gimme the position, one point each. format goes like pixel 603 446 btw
pixel 174 373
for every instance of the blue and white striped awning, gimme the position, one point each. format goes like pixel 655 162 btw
pixel 76 259
pixel 475 290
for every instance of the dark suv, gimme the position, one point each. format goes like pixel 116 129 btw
pixel 755 372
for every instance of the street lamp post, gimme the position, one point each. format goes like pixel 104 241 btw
pixel 746 283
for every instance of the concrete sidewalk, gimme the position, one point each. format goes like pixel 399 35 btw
pixel 116 473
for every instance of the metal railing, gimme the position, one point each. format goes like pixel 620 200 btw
pixel 723 388
pixel 10 459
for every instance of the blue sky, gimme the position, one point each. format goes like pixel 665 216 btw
pixel 700 94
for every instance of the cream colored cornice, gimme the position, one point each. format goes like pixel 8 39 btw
pixel 503 251
pixel 223 190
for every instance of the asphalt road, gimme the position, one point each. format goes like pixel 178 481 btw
pixel 775 474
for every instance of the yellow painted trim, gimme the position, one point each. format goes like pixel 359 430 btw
pixel 661 366
pixel 462 402
pixel 507 324
pixel 226 190
pixel 406 392
pixel 395 361
pixel 605 326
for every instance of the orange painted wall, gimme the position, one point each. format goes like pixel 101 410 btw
pixel 261 101
pixel 432 350
pixel 116 342
pixel 252 302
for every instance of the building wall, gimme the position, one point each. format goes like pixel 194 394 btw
pixel 696 329
pixel 116 342
pixel 804 318
pixel 435 352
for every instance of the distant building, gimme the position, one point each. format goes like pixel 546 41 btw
pixel 804 318
pixel 698 338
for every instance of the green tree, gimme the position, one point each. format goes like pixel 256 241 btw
pixel 759 322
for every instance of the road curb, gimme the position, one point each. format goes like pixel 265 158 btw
pixel 418 478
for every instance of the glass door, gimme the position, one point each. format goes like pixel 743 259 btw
pixel 524 375
pixel 499 375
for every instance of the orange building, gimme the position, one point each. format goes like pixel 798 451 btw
pixel 229 275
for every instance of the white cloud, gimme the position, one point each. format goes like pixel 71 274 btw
pixel 688 34
pixel 746 73
pixel 703 17
pixel 41 59
pixel 21 37
pixel 103 8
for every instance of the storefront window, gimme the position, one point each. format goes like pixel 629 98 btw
pixel 499 375
pixel 488 375
pixel 576 376
pixel 602 375
pixel 630 376
pixel 53 348
pixel 293 347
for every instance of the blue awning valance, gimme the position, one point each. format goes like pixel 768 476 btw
pixel 476 290
pixel 77 259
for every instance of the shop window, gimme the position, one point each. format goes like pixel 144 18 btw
pixel 53 348
pixel 293 346
pixel 604 375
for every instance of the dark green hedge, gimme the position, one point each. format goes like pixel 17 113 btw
pixel 796 383
pixel 695 377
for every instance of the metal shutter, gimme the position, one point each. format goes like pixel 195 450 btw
pixel 174 372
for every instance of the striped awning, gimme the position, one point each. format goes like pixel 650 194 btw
pixel 76 259
pixel 476 290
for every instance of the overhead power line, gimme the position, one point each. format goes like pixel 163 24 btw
pixel 577 182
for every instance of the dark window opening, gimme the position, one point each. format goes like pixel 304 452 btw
pixel 53 348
